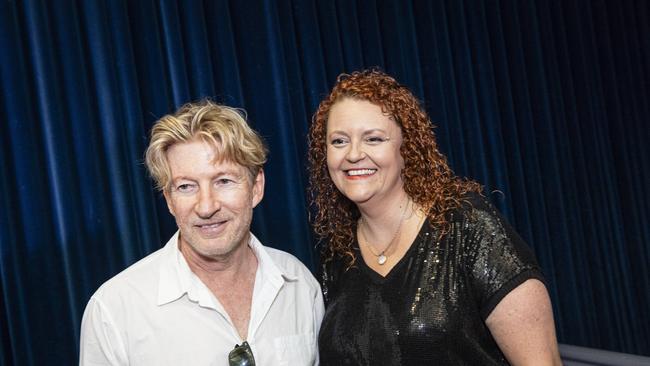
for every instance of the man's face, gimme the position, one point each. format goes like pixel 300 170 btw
pixel 211 201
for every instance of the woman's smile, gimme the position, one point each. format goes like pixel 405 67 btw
pixel 363 151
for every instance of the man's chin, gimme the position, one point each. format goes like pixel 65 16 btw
pixel 213 251
pixel 207 248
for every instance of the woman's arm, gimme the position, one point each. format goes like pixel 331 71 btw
pixel 522 324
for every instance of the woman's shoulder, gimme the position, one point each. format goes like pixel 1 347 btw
pixel 474 206
pixel 478 217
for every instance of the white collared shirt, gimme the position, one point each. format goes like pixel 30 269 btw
pixel 158 312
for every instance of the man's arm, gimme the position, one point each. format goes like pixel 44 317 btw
pixel 101 343
pixel 318 313
pixel 522 324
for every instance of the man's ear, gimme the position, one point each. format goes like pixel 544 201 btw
pixel 258 188
pixel 168 199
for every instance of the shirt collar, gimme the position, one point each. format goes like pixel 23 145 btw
pixel 176 277
pixel 267 265
pixel 175 274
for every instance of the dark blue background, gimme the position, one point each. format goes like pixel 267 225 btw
pixel 545 101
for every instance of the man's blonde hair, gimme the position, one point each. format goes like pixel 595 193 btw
pixel 223 127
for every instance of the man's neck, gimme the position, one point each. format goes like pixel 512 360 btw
pixel 231 280
pixel 220 268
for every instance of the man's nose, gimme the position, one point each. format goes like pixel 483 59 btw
pixel 208 203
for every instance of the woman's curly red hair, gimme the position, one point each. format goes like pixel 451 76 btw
pixel 428 180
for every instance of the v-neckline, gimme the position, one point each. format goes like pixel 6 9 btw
pixel 376 276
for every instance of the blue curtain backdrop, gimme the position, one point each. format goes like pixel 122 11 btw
pixel 546 101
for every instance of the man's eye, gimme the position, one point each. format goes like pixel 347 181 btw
pixel 186 188
pixel 224 181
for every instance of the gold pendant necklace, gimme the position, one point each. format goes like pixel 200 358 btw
pixel 382 257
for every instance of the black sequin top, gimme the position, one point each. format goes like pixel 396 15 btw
pixel 431 307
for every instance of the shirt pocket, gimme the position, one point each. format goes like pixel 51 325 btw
pixel 299 349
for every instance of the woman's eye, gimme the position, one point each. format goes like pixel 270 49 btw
pixel 374 140
pixel 338 142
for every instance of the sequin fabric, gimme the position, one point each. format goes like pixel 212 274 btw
pixel 430 308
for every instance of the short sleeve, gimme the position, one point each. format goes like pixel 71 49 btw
pixel 497 259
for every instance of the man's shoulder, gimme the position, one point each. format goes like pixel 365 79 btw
pixel 285 260
pixel 138 277
pixel 289 264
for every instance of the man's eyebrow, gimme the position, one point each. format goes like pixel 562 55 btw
pixel 181 177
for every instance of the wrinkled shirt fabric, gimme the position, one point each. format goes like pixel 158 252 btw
pixel 158 312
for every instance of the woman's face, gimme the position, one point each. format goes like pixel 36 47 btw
pixel 363 152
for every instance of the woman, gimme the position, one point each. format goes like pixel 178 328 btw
pixel 418 267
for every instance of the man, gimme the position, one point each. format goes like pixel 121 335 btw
pixel 214 295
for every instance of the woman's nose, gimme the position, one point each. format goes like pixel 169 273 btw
pixel 355 152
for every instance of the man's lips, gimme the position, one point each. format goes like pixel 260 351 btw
pixel 211 228
pixel 210 224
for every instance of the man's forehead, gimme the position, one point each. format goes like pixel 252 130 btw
pixel 217 166
pixel 199 157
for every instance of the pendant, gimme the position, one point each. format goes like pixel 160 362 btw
pixel 381 259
